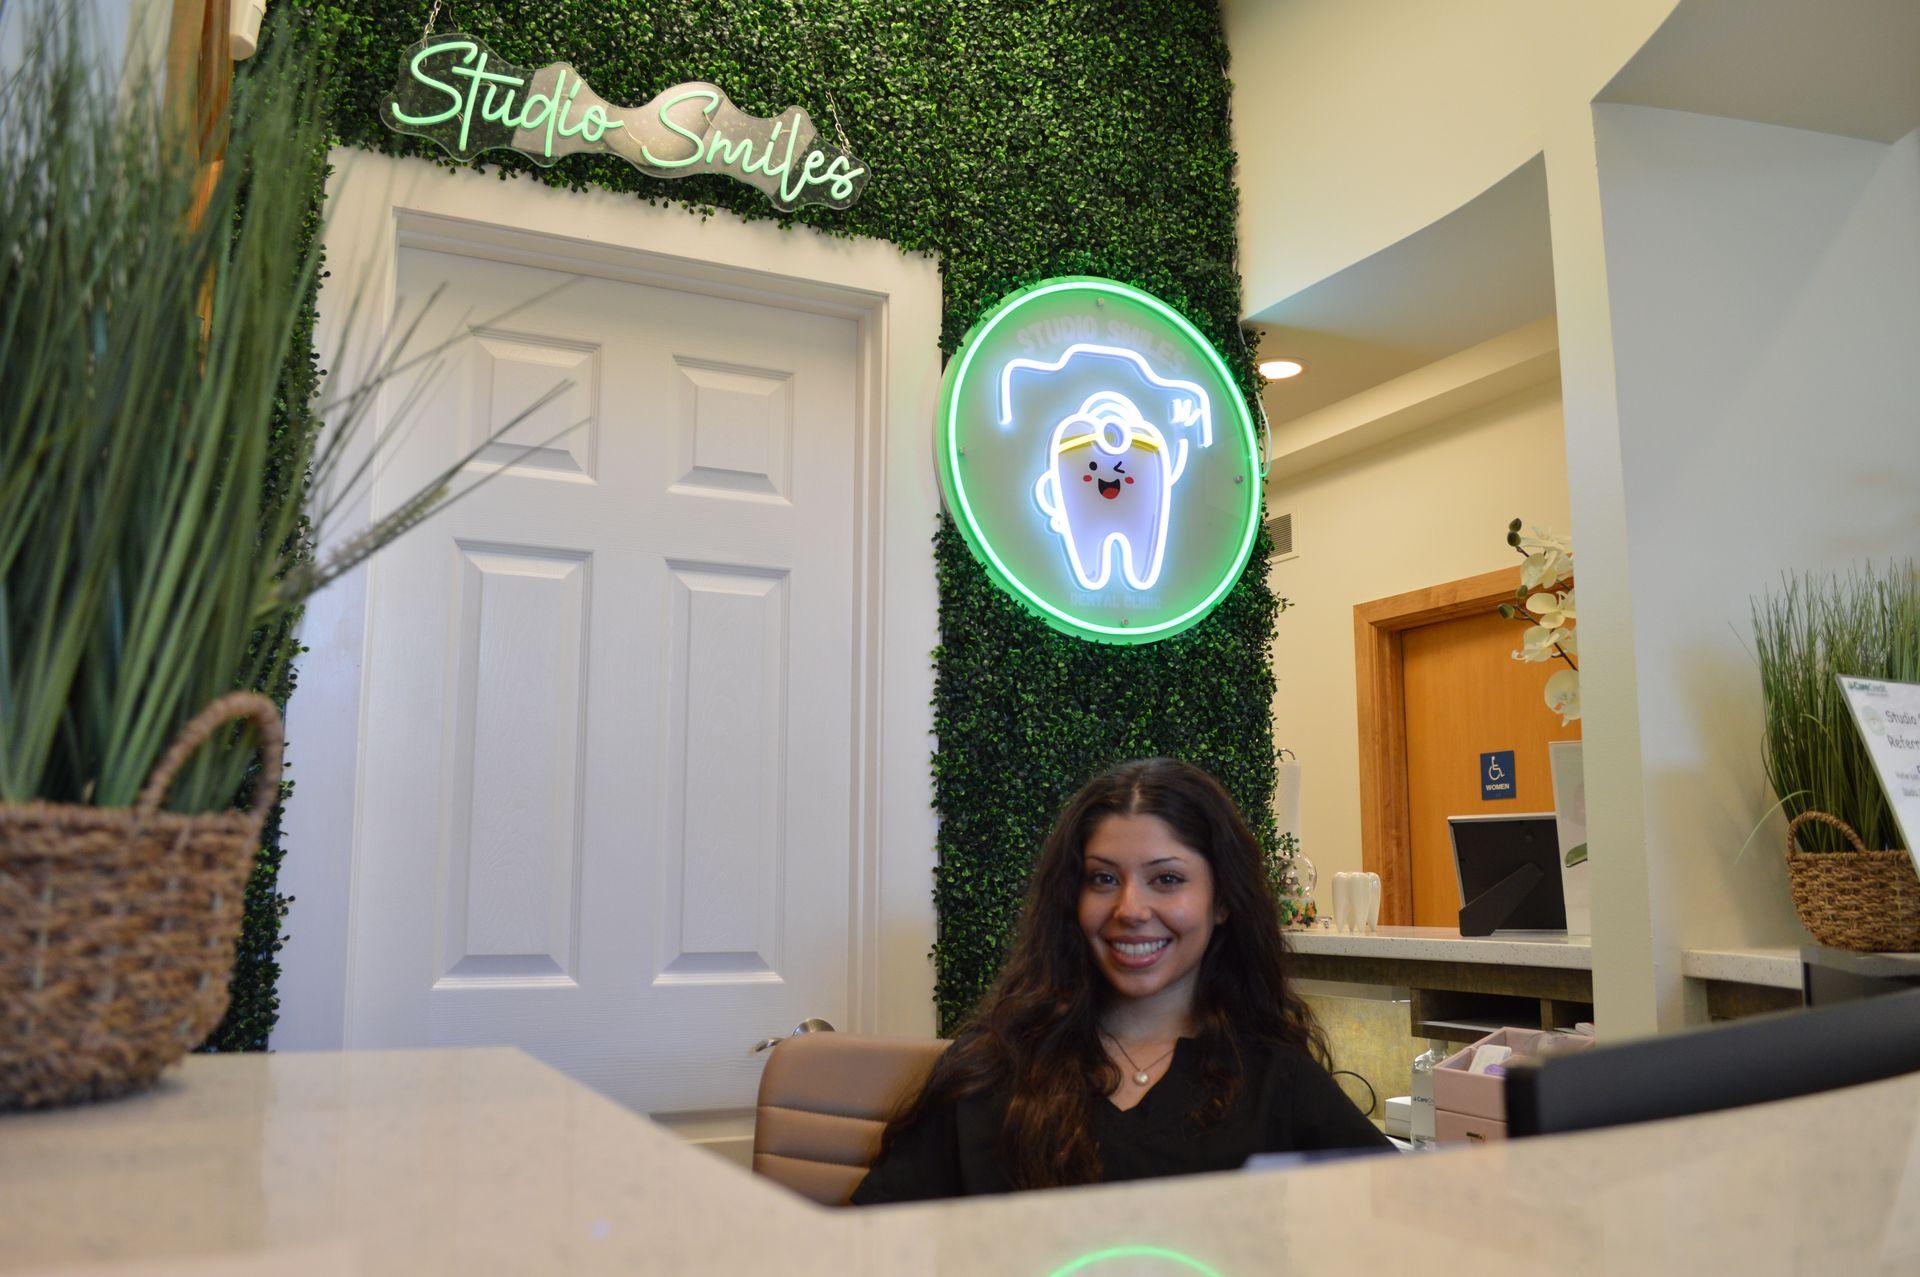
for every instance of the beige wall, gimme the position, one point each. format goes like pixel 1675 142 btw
pixel 1358 122
pixel 1418 510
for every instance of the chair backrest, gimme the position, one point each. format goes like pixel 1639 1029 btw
pixel 824 1099
pixel 1770 1057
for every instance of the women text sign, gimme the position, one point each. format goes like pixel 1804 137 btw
pixel 456 91
pixel 1099 459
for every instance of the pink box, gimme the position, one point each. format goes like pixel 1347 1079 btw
pixel 1473 1106
pixel 1456 1128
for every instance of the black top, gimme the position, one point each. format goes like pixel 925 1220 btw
pixel 1286 1103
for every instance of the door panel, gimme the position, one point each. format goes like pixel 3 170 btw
pixel 1466 695
pixel 609 768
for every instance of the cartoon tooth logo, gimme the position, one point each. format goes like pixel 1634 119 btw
pixel 1111 469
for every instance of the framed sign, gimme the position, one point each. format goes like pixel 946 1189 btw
pixel 1888 716
pixel 1099 459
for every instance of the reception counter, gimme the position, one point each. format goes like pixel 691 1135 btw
pixel 1460 987
pixel 484 1161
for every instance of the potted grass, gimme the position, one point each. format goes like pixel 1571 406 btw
pixel 1853 886
pixel 158 504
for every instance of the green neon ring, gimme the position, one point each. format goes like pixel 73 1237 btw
pixel 1134 1252
pixel 954 489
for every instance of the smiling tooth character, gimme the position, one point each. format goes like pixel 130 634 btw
pixel 1120 436
pixel 1107 490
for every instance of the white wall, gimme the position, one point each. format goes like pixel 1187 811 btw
pixel 1419 510
pixel 1765 300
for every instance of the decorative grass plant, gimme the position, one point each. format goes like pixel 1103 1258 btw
pixel 143 339
pixel 1808 633
pixel 152 527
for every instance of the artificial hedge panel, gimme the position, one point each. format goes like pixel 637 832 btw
pixel 1017 139
pixel 253 1001
pixel 1026 715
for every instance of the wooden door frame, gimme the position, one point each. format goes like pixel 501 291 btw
pixel 1386 827
pixel 199 80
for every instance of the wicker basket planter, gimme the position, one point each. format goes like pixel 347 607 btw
pixel 1859 899
pixel 118 927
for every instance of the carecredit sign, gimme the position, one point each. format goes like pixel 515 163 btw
pixel 1099 460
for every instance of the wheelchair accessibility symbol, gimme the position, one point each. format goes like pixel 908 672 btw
pixel 1496 776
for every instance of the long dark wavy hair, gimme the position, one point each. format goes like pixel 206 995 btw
pixel 1036 1037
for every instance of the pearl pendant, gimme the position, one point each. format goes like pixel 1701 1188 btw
pixel 1140 1079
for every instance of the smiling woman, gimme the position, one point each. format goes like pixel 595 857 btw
pixel 1144 1023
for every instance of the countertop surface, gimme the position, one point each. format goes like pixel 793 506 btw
pixel 485 1161
pixel 1444 944
pixel 1776 968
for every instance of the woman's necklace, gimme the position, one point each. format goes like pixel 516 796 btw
pixel 1140 1074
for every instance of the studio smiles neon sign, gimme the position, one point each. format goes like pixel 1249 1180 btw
pixel 456 91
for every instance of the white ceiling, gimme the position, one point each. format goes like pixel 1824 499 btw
pixel 1484 269
pixel 1834 66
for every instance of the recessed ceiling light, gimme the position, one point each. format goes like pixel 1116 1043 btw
pixel 1281 369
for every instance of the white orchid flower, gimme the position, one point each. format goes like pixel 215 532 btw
pixel 1537 644
pixel 1538 571
pixel 1563 695
pixel 1549 558
pixel 1540 539
pixel 1552 610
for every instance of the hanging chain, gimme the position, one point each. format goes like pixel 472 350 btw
pixel 813 56
pixel 433 15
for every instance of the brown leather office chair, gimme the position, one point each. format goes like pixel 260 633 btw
pixel 824 1099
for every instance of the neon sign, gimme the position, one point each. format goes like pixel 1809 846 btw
pixel 457 92
pixel 1099 460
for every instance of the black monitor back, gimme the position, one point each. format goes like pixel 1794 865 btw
pixel 1771 1057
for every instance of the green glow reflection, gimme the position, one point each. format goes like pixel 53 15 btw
pixel 1187 1262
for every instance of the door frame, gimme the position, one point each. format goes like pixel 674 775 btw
pixel 1386 829
pixel 377 205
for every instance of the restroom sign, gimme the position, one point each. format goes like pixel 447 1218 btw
pixel 1099 459
pixel 1496 776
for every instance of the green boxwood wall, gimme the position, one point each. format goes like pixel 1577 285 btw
pixel 1017 139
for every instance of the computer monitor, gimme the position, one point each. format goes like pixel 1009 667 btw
pixel 1487 850
pixel 1768 1057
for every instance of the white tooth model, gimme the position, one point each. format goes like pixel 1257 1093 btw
pixel 1111 466
pixel 1356 902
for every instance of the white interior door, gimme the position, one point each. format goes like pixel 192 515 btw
pixel 607 759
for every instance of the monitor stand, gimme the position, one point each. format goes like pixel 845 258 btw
pixel 1482 915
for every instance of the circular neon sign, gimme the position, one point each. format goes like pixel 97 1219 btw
pixel 1099 459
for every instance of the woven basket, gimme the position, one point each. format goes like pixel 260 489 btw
pixel 1859 899
pixel 118 927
